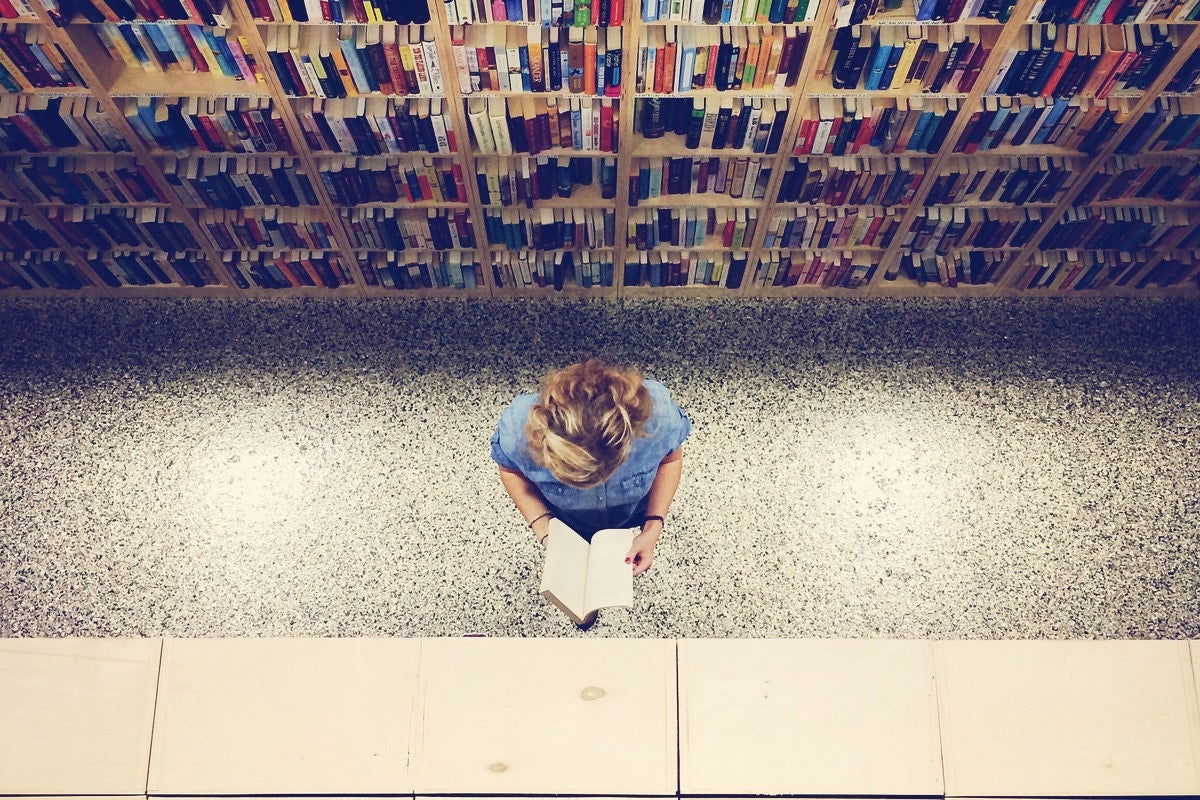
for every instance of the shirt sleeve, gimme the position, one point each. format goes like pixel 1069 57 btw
pixel 506 438
pixel 672 425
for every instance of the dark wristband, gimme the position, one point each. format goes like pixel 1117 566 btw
pixel 653 516
pixel 540 516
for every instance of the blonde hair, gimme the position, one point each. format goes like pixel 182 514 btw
pixel 585 421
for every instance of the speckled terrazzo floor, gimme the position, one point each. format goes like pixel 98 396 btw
pixel 940 469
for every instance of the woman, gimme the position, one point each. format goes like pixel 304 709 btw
pixel 598 447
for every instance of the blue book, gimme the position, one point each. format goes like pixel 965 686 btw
pixel 776 14
pixel 356 68
pixel 514 10
pixel 925 9
pixel 921 131
pixel 1060 105
pixel 523 56
pixel 878 64
pixel 726 11
pixel 644 182
pixel 650 10
pixel 655 273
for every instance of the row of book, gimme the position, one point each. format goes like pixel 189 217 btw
pixel 94 180
pixel 118 268
pixel 852 181
pixel 287 269
pixel 531 59
pixel 546 13
pixel 530 125
pixel 40 123
pixel 404 12
pixel 356 181
pixel 179 47
pixel 733 176
pixel 928 58
pixel 551 228
pixel 847 269
pixel 372 126
pixel 692 227
pixel 679 59
pixel 18 232
pixel 29 59
pixel 523 181
pixel 352 60
pixel 1126 228
pixel 224 182
pixel 1107 12
pixel 742 123
pixel 1085 61
pixel 974 267
pixel 1015 180
pixel 201 12
pixel 1075 124
pixel 1172 271
pixel 214 125
pixel 724 12
pixel 684 268
pixel 29 270
pixel 270 228
pixel 1127 178
pixel 1096 270
pixel 1169 125
pixel 390 229
pixel 808 228
pixel 942 229
pixel 121 228
pixel 854 12
pixel 846 125
pixel 448 270
pixel 557 270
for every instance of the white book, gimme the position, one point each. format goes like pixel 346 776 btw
pixel 477 114
pixel 581 578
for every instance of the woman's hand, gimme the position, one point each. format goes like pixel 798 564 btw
pixel 641 554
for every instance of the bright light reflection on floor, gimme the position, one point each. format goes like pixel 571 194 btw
pixel 253 478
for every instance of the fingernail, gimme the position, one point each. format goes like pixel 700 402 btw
pixel 627 561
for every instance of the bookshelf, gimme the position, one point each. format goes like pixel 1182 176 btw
pixel 343 148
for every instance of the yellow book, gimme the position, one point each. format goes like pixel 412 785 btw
pixel 764 59
pixel 245 45
pixel 435 180
pixel 339 60
pixel 285 12
pixel 116 45
pixel 750 58
pixel 912 44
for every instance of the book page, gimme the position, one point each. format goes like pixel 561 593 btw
pixel 564 573
pixel 609 578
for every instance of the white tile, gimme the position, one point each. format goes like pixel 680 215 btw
pixel 284 716
pixel 76 715
pixel 547 716
pixel 1078 718
pixel 806 717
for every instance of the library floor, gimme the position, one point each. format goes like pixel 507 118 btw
pixel 883 468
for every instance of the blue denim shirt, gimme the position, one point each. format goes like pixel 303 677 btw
pixel 618 497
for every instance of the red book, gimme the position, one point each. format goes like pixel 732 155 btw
pixel 7 10
pixel 193 50
pixel 460 186
pixel 616 12
pixel 1056 75
pixel 423 182
pixel 360 11
pixel 1069 281
pixel 865 131
pixel 804 141
pixel 280 134
pixel 287 271
pixel 606 128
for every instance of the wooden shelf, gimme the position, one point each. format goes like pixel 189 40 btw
pixel 110 82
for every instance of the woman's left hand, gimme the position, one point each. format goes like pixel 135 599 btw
pixel 641 554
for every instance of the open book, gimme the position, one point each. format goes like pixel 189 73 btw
pixel 581 578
